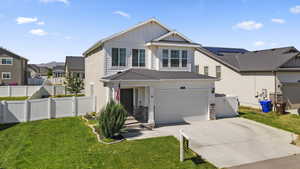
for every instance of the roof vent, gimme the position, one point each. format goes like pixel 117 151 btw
pixel 273 49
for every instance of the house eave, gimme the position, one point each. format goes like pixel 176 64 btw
pixel 172 44
pixel 157 80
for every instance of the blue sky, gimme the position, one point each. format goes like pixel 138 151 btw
pixel 48 30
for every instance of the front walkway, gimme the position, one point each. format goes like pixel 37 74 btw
pixel 231 142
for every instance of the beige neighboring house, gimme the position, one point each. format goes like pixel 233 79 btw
pixel 74 66
pixel 253 75
pixel 13 68
pixel 153 66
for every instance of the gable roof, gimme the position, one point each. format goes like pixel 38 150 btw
pixel 172 33
pixel 242 60
pixel 75 63
pixel 99 43
pixel 154 75
pixel 10 53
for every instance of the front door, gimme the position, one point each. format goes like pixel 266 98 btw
pixel 127 99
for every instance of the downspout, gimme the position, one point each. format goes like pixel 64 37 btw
pixel 275 78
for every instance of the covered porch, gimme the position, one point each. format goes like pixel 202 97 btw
pixel 137 99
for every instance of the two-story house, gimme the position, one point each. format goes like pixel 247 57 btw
pixel 150 69
pixel 74 66
pixel 13 68
pixel 272 74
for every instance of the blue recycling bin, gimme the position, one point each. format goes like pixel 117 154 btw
pixel 266 105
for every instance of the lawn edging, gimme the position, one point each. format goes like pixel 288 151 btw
pixel 98 135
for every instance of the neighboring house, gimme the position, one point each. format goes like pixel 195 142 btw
pixel 33 71
pixel 58 71
pixel 253 75
pixel 74 66
pixel 13 68
pixel 43 71
pixel 58 75
pixel 154 67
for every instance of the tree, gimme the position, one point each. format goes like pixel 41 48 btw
pixel 74 84
pixel 112 119
pixel 50 72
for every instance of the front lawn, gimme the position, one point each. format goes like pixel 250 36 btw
pixel 13 98
pixel 287 122
pixel 68 144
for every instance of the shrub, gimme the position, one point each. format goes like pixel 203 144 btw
pixel 111 120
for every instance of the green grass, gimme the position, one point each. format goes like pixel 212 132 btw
pixel 287 122
pixel 68 144
pixel 13 98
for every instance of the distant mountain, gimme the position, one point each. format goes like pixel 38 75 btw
pixel 51 64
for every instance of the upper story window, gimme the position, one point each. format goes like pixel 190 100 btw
pixel 174 58
pixel 118 57
pixel 6 61
pixel 138 57
pixel 206 70
pixel 6 75
pixel 184 58
pixel 165 58
pixel 218 72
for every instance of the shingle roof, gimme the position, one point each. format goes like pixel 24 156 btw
pixel 263 60
pixel 75 63
pixel 147 74
pixel 10 53
pixel 59 67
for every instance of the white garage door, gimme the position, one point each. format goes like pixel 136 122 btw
pixel 175 105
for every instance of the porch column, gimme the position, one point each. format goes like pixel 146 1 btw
pixel 151 106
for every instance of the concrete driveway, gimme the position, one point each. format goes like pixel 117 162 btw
pixel 233 142
pixel 236 141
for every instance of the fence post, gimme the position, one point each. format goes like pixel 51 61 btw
pixel 54 91
pixel 4 111
pixel 26 112
pixel 9 91
pixel 26 90
pixel 74 105
pixel 50 108
pixel 94 103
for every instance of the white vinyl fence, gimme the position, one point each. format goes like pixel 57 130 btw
pixel 226 106
pixel 39 109
pixel 15 91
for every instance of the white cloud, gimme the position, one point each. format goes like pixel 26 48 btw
pixel 63 1
pixel 259 43
pixel 121 13
pixel 295 9
pixel 38 32
pixel 68 37
pixel 278 20
pixel 23 20
pixel 40 23
pixel 249 25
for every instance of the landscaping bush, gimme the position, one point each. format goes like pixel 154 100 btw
pixel 112 119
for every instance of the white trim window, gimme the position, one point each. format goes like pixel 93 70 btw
pixel 138 58
pixel 6 61
pixel 165 58
pixel 175 58
pixel 6 75
pixel 184 58
pixel 206 70
pixel 218 72
pixel 118 56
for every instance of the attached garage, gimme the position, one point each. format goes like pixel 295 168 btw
pixel 163 97
pixel 181 105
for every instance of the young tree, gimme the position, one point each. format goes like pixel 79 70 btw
pixel 74 84
pixel 50 72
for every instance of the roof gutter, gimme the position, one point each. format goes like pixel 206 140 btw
pixel 158 80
